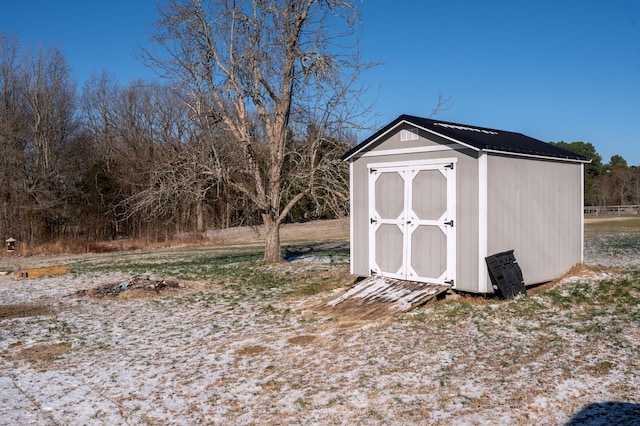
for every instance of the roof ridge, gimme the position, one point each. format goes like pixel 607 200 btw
pixel 478 138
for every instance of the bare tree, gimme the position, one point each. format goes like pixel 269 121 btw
pixel 623 185
pixel 178 185
pixel 98 104
pixel 13 136
pixel 442 104
pixel 50 96
pixel 260 70
pixel 50 105
pixel 38 135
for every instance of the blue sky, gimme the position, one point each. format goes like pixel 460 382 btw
pixel 554 70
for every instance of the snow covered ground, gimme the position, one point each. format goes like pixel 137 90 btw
pixel 212 355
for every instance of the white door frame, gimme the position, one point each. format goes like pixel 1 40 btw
pixel 408 221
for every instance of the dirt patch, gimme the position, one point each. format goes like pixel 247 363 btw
pixel 354 310
pixel 136 287
pixel 348 324
pixel 252 350
pixel 302 340
pixel 41 353
pixel 23 311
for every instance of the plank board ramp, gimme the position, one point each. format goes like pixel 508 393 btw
pixel 378 296
pixel 42 272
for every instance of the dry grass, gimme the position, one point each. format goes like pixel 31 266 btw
pixel 321 230
pixel 76 246
pixel 334 229
pixel 612 224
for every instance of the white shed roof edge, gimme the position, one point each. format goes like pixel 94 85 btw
pixel 415 150
pixel 539 157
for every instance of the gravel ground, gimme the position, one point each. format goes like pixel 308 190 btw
pixel 211 355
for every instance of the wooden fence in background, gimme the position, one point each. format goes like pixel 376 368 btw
pixel 629 210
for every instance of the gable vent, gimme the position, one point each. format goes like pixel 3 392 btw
pixel 408 135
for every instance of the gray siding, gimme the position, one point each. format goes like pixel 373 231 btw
pixel 534 208
pixel 467 227
pixel 359 217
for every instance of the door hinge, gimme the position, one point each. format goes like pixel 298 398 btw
pixel 449 166
pixel 372 221
pixel 372 171
pixel 450 282
pixel 449 223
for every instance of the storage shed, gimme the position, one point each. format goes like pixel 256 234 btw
pixel 430 200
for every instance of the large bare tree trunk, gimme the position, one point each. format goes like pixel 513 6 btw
pixel 200 217
pixel 272 249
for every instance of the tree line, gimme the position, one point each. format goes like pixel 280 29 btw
pixel 606 184
pixel 140 160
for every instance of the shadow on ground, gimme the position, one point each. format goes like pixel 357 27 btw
pixel 328 251
pixel 607 413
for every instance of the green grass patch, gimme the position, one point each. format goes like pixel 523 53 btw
pixel 600 307
pixel 239 271
pixel 458 310
pixel 182 264
pixel 618 245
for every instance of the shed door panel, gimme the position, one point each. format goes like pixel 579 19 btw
pixel 411 222
pixel 389 255
pixel 388 223
pixel 427 213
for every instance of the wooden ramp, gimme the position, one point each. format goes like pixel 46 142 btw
pixel 42 272
pixel 378 296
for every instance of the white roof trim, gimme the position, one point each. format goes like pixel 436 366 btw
pixel 414 150
pixel 539 157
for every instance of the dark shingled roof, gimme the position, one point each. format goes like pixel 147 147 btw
pixel 480 138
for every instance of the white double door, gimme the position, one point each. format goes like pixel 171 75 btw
pixel 412 221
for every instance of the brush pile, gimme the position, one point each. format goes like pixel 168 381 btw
pixel 137 283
